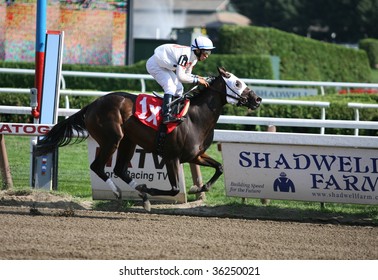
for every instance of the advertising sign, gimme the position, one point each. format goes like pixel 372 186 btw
pixel 23 129
pixel 144 168
pixel 275 92
pixel 300 172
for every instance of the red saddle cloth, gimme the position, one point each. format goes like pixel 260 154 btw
pixel 148 111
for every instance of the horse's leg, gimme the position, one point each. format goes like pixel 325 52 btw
pixel 206 160
pixel 173 176
pixel 125 153
pixel 108 143
pixel 98 167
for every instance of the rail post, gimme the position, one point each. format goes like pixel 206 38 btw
pixel 7 181
pixel 271 128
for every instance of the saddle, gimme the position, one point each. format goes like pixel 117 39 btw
pixel 148 110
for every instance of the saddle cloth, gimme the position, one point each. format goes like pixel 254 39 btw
pixel 148 111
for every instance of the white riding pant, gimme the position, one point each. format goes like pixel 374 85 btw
pixel 166 78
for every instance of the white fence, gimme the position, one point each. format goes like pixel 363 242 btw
pixel 356 107
pixel 322 123
pixel 143 77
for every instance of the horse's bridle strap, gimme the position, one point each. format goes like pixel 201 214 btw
pixel 238 97
pixel 236 93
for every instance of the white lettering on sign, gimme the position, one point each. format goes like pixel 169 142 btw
pixel 26 129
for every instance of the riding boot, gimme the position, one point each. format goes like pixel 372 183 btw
pixel 166 110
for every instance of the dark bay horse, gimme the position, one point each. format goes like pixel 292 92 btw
pixel 111 122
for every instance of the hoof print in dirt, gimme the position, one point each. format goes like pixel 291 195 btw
pixel 35 212
pixel 66 213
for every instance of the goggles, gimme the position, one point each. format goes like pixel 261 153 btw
pixel 207 52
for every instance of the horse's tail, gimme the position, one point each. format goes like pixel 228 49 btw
pixel 70 131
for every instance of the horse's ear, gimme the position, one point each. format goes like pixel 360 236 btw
pixel 223 72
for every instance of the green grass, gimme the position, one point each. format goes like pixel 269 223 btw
pixel 74 180
pixel 73 173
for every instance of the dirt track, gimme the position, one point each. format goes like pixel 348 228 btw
pixel 53 233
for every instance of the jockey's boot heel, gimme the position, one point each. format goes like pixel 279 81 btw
pixel 166 111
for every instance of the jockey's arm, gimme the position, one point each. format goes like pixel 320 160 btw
pixel 184 74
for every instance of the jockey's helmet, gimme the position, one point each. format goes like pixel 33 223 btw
pixel 202 43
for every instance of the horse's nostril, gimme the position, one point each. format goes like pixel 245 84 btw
pixel 259 99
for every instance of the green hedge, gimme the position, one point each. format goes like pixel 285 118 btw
pixel 301 58
pixel 243 66
pixel 371 48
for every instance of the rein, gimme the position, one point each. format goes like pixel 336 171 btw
pixel 241 100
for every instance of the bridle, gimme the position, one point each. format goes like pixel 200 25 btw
pixel 241 100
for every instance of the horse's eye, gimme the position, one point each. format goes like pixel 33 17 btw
pixel 238 84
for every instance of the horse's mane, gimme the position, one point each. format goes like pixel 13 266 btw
pixel 200 88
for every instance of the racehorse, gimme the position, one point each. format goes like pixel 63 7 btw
pixel 111 121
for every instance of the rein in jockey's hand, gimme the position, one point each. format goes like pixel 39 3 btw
pixel 202 81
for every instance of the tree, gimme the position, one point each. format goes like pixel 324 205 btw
pixel 336 20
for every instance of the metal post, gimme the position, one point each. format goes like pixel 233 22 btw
pixel 271 128
pixel 129 33
pixel 323 114
pixel 356 118
pixel 40 52
pixel 44 175
pixel 4 165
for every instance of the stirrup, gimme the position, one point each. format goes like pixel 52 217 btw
pixel 171 119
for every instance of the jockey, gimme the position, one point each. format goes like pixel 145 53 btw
pixel 172 64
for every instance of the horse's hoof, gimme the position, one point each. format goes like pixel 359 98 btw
pixel 147 205
pixel 146 202
pixel 194 190
pixel 175 191
pixel 118 195
pixel 142 188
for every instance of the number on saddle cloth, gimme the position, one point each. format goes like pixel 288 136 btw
pixel 148 111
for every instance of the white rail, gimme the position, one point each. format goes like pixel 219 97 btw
pixel 259 137
pixel 309 83
pixel 143 77
pixel 298 122
pixel 322 122
pixel 356 107
pixel 239 120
